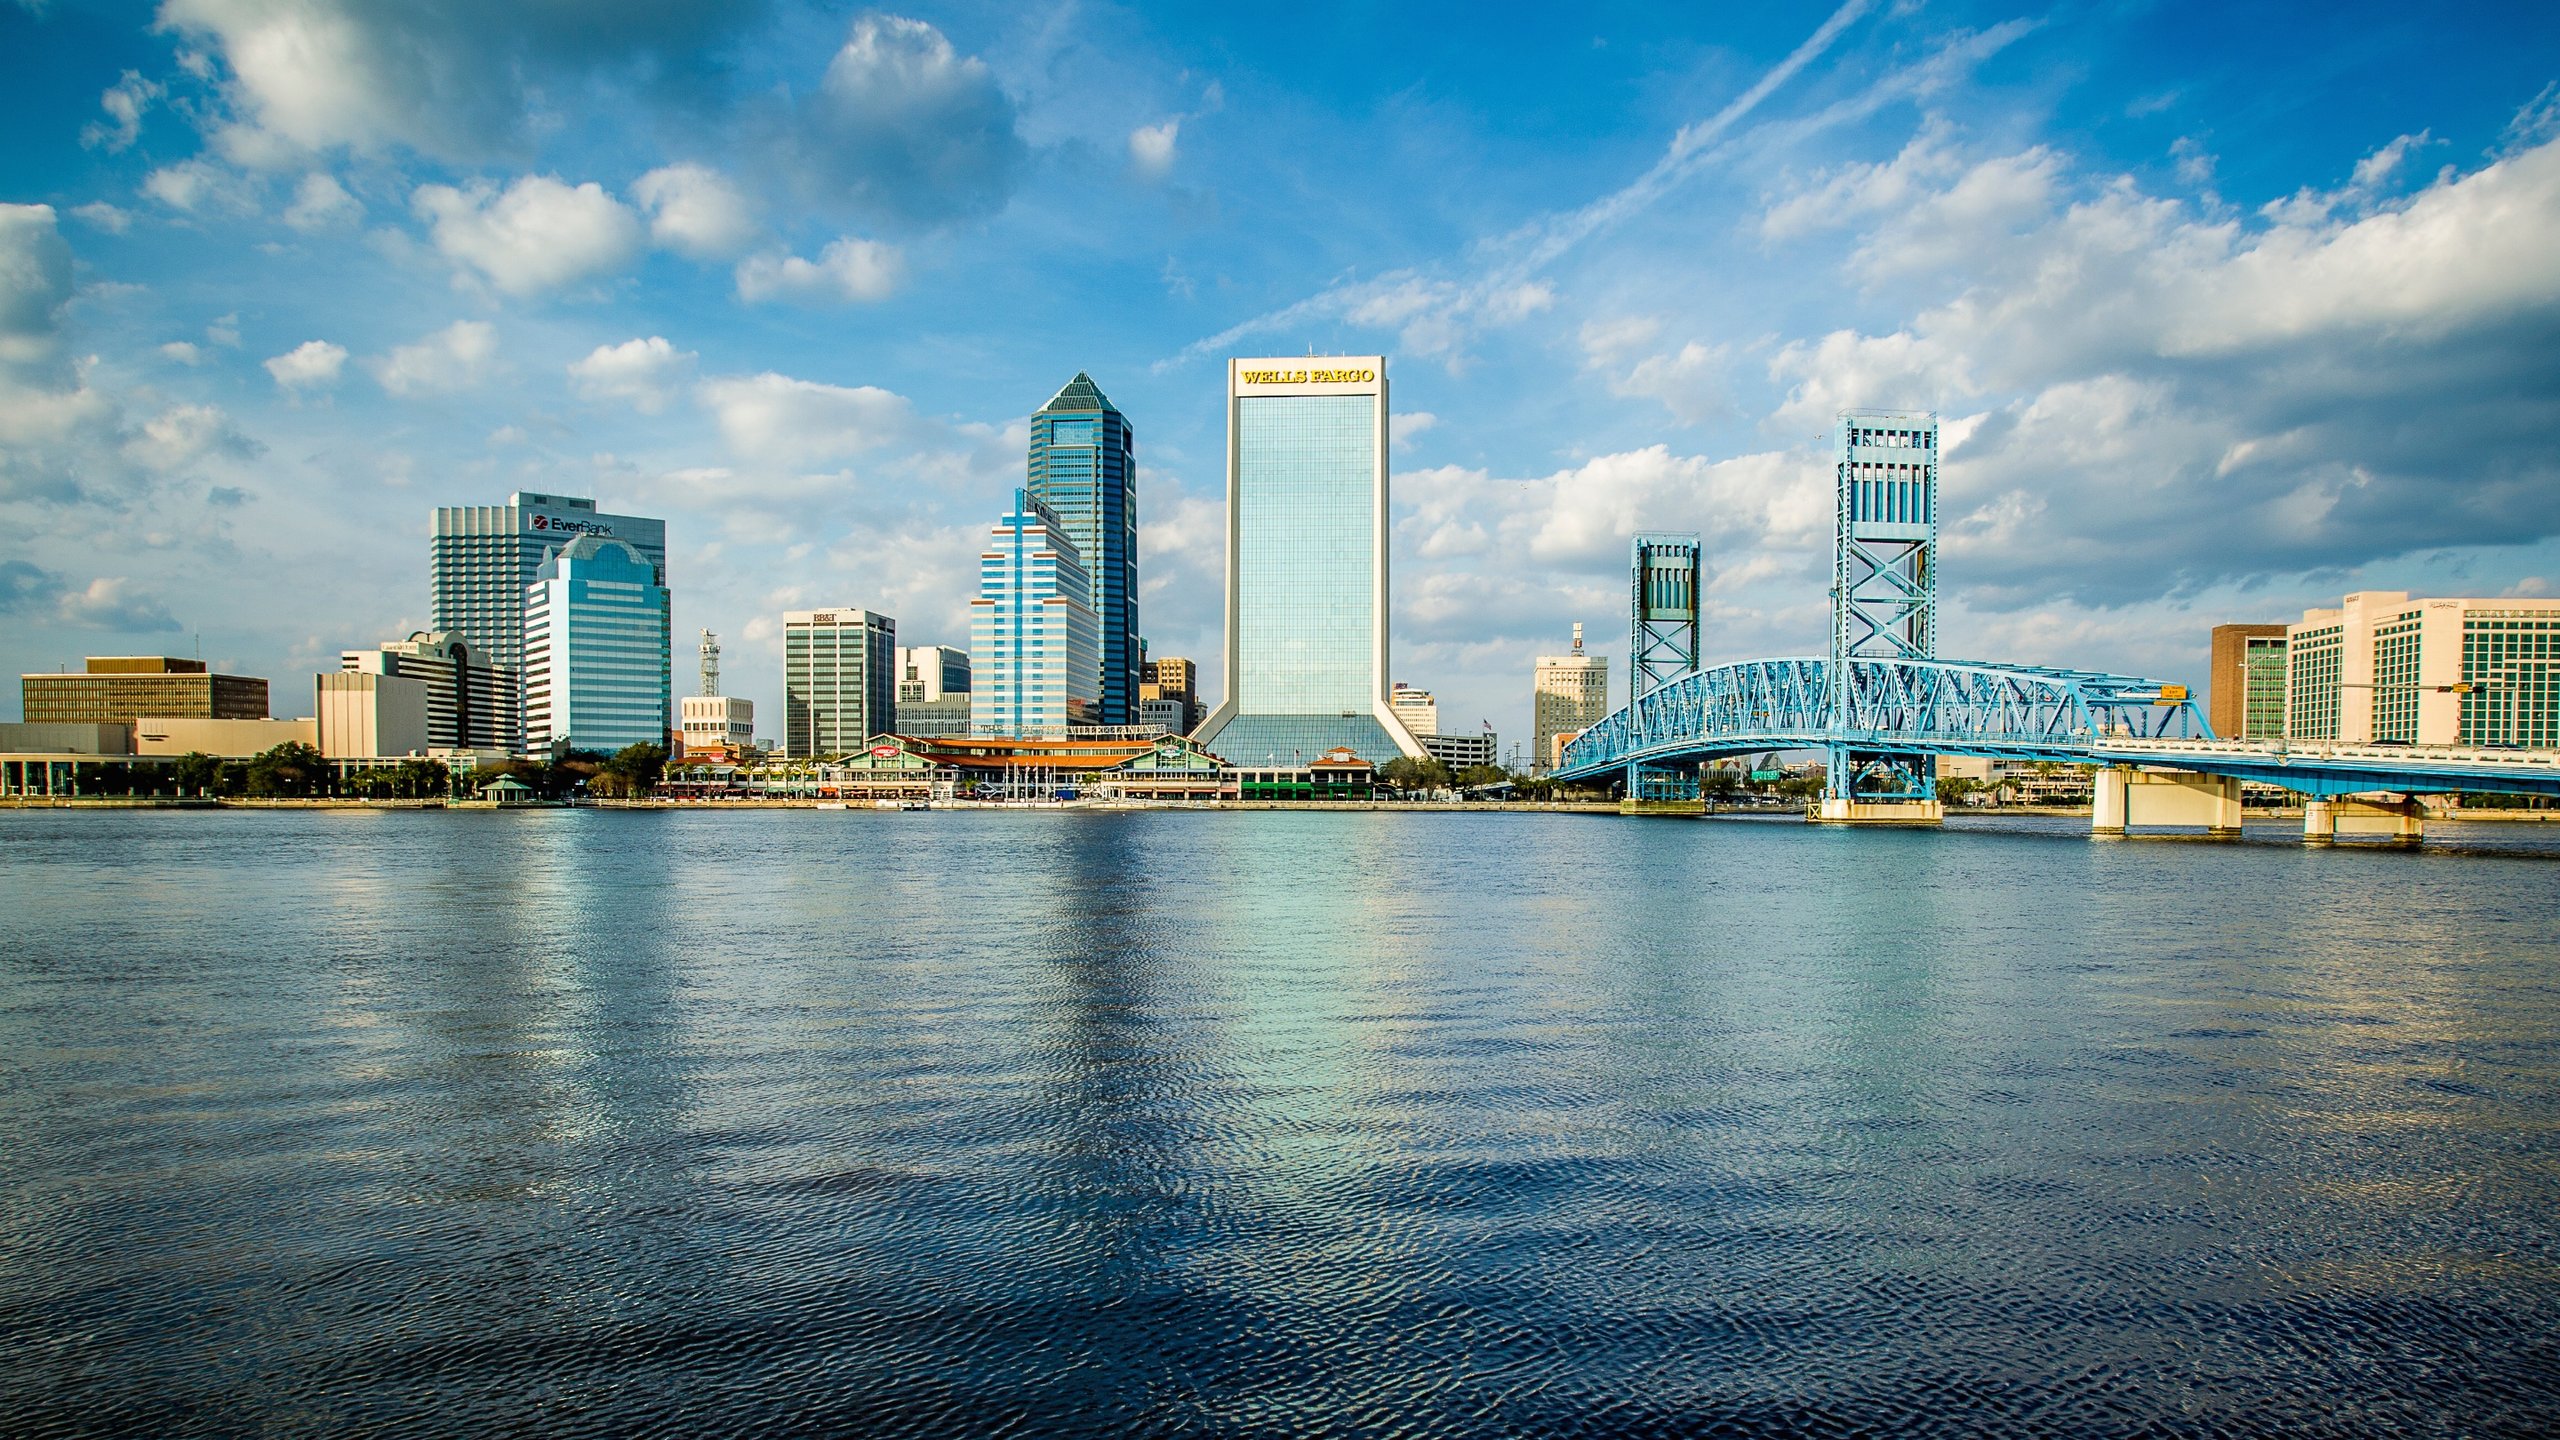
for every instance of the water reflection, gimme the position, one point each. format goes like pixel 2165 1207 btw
pixel 924 1124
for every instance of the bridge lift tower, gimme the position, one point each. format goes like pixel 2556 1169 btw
pixel 1662 646
pixel 1884 568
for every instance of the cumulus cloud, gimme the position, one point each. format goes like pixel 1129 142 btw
pixel 454 358
pixel 777 420
pixel 641 372
pixel 183 435
pixel 537 234
pixel 1151 148
pixel 847 270
pixel 453 81
pixel 311 365
pixel 694 210
pixel 321 203
pixel 105 216
pixel 51 419
pixel 124 103
pixel 905 128
pixel 30 592
pixel 2168 398
pixel 198 187
pixel 185 352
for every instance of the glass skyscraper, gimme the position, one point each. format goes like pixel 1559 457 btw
pixel 1306 665
pixel 485 555
pixel 1032 635
pixel 597 675
pixel 1084 468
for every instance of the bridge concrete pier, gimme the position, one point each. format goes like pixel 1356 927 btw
pixel 2402 822
pixel 2127 799
pixel 1849 810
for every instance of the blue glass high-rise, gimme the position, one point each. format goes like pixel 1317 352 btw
pixel 1084 469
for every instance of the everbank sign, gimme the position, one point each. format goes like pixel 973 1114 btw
pixel 554 526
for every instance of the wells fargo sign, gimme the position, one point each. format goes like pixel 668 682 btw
pixel 1307 377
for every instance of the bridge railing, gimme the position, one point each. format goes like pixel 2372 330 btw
pixel 1885 704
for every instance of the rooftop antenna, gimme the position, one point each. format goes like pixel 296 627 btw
pixel 1577 637
pixel 710 663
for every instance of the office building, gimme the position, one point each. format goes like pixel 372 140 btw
pixel 1306 663
pixel 597 673
pixel 1084 467
pixel 485 558
pixel 716 727
pixel 1568 694
pixel 1171 716
pixel 2244 691
pixel 119 689
pixel 362 715
pixel 1418 709
pixel 1033 637
pixel 933 690
pixel 1172 681
pixel 471 704
pixel 839 680
pixel 1458 752
pixel 2425 672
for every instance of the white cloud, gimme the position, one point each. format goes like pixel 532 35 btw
pixel 695 211
pixel 105 216
pixel 182 435
pixel 197 186
pixel 777 420
pixel 454 358
pixel 847 270
pixel 1151 148
pixel 642 372
pixel 313 364
pixel 321 203
pixel 905 128
pixel 124 103
pixel 1408 426
pixel 185 352
pixel 538 234
pixel 452 81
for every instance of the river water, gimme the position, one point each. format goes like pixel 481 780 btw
pixel 1290 1124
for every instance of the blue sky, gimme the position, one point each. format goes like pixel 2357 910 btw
pixel 2226 314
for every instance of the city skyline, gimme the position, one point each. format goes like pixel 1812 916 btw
pixel 260 326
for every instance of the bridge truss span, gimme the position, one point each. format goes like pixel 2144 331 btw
pixel 1883 706
pixel 2006 712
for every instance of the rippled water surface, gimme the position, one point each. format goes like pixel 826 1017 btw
pixel 580 1123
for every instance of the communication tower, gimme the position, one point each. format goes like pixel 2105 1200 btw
pixel 710 663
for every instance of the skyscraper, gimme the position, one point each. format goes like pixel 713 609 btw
pixel 1033 638
pixel 1084 467
pixel 839 680
pixel 597 675
pixel 485 556
pixel 1567 695
pixel 1306 666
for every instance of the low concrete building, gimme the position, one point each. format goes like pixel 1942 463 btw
pixel 717 726
pixel 66 739
pixel 226 739
pixel 361 715
pixel 1460 751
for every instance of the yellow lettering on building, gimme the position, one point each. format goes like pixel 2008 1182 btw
pixel 1307 377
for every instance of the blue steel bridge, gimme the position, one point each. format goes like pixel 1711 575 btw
pixel 1881 704
pixel 1908 709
